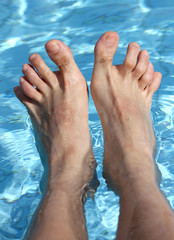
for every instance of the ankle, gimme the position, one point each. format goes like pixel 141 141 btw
pixel 134 171
pixel 71 169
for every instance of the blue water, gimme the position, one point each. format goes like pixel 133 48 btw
pixel 25 26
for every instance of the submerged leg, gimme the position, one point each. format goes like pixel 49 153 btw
pixel 123 95
pixel 58 106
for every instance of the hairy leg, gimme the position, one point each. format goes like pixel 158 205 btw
pixel 123 95
pixel 58 106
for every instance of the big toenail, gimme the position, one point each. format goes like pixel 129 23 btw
pixel 54 48
pixel 110 40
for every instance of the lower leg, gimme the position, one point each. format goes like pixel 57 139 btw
pixel 144 211
pixel 122 95
pixel 61 213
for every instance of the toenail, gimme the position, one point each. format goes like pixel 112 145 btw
pixel 32 56
pixel 25 67
pixel 146 53
pixel 135 44
pixel 53 48
pixel 110 40
pixel 22 80
pixel 150 65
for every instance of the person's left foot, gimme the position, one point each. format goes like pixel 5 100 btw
pixel 57 103
pixel 123 96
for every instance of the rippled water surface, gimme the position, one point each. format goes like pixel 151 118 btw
pixel 25 27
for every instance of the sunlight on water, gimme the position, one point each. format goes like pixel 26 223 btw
pixel 25 27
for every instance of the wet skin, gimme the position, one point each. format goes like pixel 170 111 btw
pixel 123 96
pixel 58 106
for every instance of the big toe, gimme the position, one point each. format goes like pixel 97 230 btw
pixel 105 48
pixel 62 56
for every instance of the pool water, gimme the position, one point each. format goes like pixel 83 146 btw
pixel 25 26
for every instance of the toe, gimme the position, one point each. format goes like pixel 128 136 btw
pixel 131 56
pixel 21 96
pixel 33 78
pixel 105 48
pixel 142 64
pixel 155 83
pixel 104 51
pixel 62 56
pixel 43 69
pixel 29 90
pixel 147 78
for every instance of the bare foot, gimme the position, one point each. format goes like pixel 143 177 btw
pixel 123 95
pixel 58 106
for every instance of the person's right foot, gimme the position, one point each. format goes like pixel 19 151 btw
pixel 58 106
pixel 123 95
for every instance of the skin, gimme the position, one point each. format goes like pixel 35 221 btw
pixel 123 96
pixel 58 108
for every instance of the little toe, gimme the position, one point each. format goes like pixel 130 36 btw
pixel 33 78
pixel 29 90
pixel 21 96
pixel 131 57
pixel 147 77
pixel 142 64
pixel 43 70
pixel 155 83
pixel 62 56
pixel 105 49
